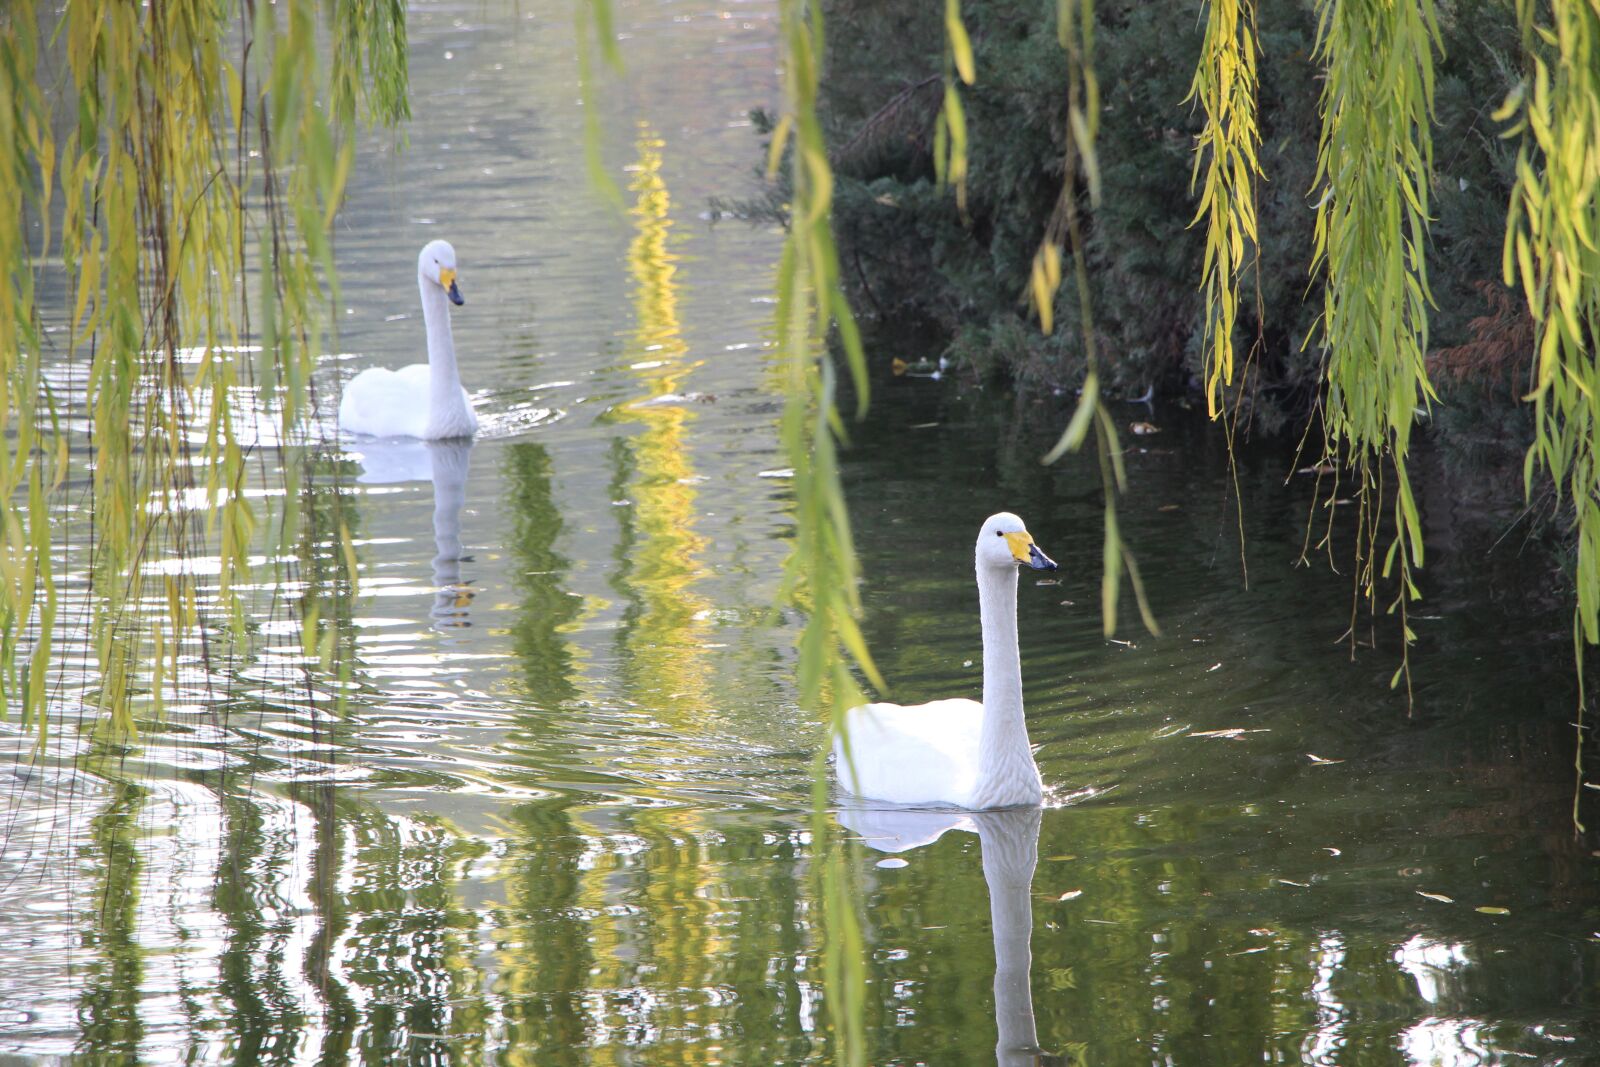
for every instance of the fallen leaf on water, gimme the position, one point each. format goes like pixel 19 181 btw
pixel 1232 733
pixel 1214 667
pixel 1249 951
pixel 1320 468
pixel 1048 581
pixel 1330 850
pixel 1297 885
pixel 1489 909
pixel 1314 758
pixel 1440 897
pixel 1261 931
pixel 922 425
pixel 1591 785
pixel 1060 859
pixel 1071 894
pixel 899 366
pixel 1170 507
pixel 1144 429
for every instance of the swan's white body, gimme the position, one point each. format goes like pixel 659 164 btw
pixel 958 752
pixel 424 400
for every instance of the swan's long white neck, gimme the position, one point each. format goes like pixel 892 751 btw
pixel 447 410
pixel 1007 774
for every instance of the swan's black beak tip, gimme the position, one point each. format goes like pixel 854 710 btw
pixel 1038 560
pixel 455 294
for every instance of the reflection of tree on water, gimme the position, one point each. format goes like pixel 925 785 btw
pixel 547 608
pixel 544 933
pixel 1010 844
pixel 108 1011
pixel 611 943
pixel 220 920
pixel 665 623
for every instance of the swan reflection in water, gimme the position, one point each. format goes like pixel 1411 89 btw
pixel 444 463
pixel 1009 839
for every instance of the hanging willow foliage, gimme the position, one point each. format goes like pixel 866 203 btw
pixel 950 129
pixel 1374 164
pixel 35 462
pixel 1075 32
pixel 593 18
pixel 1552 248
pixel 1225 88
pixel 196 140
pixel 821 575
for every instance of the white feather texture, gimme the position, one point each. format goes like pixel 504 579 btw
pixel 424 400
pixel 958 752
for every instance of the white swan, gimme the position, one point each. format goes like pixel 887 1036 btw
pixel 958 752
pixel 425 399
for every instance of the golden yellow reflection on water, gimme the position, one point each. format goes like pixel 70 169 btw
pixel 666 631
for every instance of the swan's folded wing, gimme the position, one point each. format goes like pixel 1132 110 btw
pixel 385 403
pixel 917 754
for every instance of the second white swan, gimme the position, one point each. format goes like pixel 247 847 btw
pixel 958 752
pixel 423 400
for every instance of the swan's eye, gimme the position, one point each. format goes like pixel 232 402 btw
pixel 999 533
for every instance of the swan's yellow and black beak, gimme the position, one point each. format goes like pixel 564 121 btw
pixel 447 278
pixel 1025 551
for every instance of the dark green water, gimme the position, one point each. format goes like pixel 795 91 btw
pixel 565 818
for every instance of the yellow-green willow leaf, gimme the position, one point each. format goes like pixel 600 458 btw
pixel 1041 296
pixel 1147 616
pixel 960 44
pixel 352 571
pixel 1110 572
pixel 780 137
pixel 1082 417
pixel 1085 142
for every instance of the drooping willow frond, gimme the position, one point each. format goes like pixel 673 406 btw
pixel 200 152
pixel 820 577
pixel 1225 88
pixel 596 14
pixel 1552 248
pixel 1075 32
pixel 950 129
pixel 1374 164
pixel 34 464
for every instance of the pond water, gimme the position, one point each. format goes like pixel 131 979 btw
pixel 565 816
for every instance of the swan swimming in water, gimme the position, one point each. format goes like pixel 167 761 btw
pixel 423 400
pixel 958 752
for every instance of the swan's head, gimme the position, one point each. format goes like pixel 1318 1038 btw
pixel 437 264
pixel 1005 542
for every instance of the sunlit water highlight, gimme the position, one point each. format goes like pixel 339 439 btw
pixel 563 818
